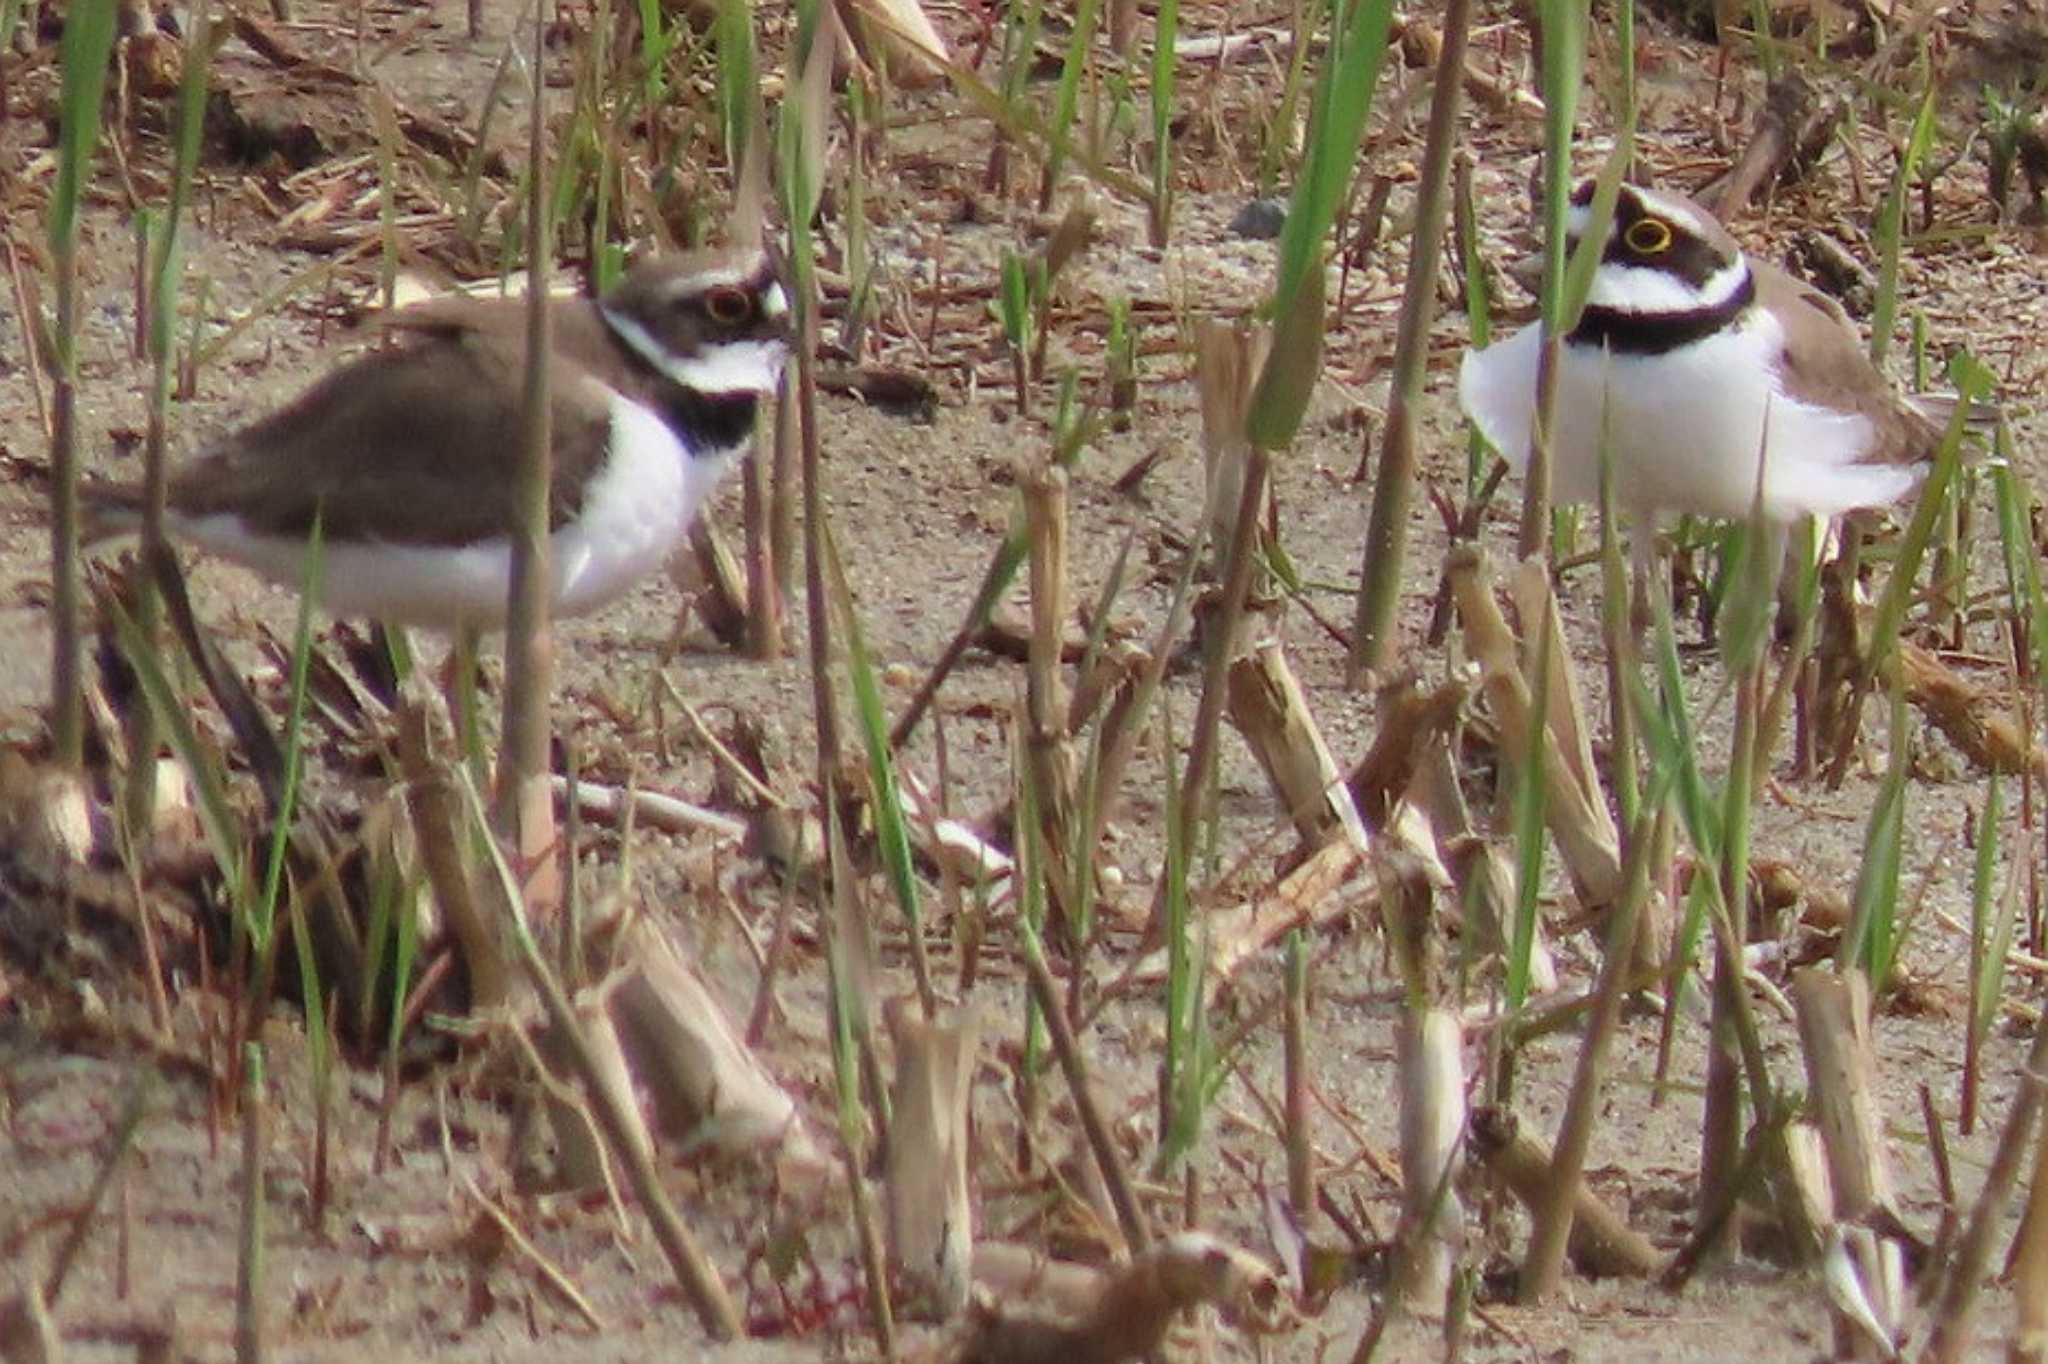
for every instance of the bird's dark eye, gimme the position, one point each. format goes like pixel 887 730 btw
pixel 1648 236
pixel 728 305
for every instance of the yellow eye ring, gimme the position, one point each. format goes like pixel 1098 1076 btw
pixel 728 305
pixel 1648 236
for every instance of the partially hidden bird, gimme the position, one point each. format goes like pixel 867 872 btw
pixel 405 456
pixel 1722 382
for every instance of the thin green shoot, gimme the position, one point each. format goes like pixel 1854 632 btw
pixel 1278 145
pixel 1990 938
pixel 1891 216
pixel 88 39
pixel 1478 305
pixel 263 913
pixel 892 834
pixel 1120 360
pixel 1187 1054
pixel 2022 562
pixel 1344 89
pixel 1971 382
pixel 1066 103
pixel 1022 281
pixel 166 270
pixel 1617 629
pixel 218 821
pixel 471 218
pixel 1528 824
pixel 1165 61
pixel 739 81
pixel 1871 941
pixel 1394 483
pixel 860 263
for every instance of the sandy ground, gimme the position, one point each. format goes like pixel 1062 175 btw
pixel 918 507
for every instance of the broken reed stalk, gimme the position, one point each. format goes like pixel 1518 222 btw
pixel 1951 1334
pixel 1386 542
pixel 525 808
pixel 580 1160
pixel 931 1211
pixel 1427 1049
pixel 1228 358
pixel 435 806
pixel 1573 808
pixel 1554 1213
pixel 1841 1075
pixel 1271 712
pixel 695 1274
pixel 2029 1266
pixel 1601 1242
pixel 250 1347
pixel 1046 744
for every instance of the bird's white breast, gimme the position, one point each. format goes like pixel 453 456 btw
pixel 633 514
pixel 1686 428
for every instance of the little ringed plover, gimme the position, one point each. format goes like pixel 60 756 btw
pixel 406 455
pixel 1702 361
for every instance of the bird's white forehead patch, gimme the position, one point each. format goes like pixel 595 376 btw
pixel 745 276
pixel 1680 215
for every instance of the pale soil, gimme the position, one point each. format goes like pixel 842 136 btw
pixel 917 509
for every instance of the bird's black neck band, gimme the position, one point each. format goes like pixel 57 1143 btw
pixel 1623 332
pixel 712 424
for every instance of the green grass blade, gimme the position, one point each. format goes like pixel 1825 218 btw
pixel 1972 383
pixel 1871 940
pixel 1165 35
pixel 1891 221
pixel 1528 826
pixel 892 833
pixel 1067 102
pixel 1987 972
pixel 88 39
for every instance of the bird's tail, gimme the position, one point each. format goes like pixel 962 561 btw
pixel 108 511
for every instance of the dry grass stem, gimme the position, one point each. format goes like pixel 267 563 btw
pixel 709 1091
pixel 1841 1073
pixel 434 803
pixel 551 1274
pixel 1105 1316
pixel 1270 710
pixel 1602 1243
pixel 1428 1058
pixel 580 1158
pixel 1574 807
pixel 650 809
pixel 931 1210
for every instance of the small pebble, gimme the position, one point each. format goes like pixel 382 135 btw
pixel 1260 220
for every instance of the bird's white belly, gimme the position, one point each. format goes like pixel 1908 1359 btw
pixel 633 514
pixel 1685 429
